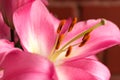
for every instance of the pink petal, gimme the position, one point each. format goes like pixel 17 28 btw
pixel 35 27
pixel 101 38
pixel 4 29
pixel 31 76
pixel 5 48
pixel 25 66
pixel 82 69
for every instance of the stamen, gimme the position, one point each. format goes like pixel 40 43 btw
pixel 61 25
pixel 59 41
pixel 68 51
pixel 102 22
pixel 72 24
pixel 85 39
pixel 85 34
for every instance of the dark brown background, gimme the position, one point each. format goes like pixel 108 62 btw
pixel 86 9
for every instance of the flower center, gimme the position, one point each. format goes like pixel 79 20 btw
pixel 85 35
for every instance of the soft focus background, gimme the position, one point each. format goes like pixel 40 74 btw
pixel 87 9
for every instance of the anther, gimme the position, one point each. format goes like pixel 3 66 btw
pixel 74 21
pixel 86 36
pixel 68 51
pixel 82 43
pixel 85 39
pixel 59 41
pixel 61 25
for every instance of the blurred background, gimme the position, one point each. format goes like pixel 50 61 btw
pixel 87 9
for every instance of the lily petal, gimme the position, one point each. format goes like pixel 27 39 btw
pixel 82 69
pixel 35 27
pixel 5 48
pixel 25 66
pixel 4 29
pixel 101 38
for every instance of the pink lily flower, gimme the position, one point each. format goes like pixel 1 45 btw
pixel 9 6
pixel 69 50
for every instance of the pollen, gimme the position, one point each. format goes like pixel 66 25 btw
pixel 85 39
pixel 61 25
pixel 74 21
pixel 82 43
pixel 68 51
pixel 86 36
pixel 59 41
